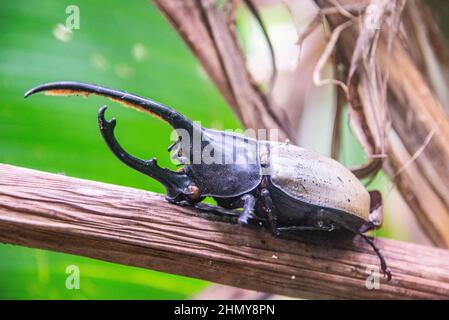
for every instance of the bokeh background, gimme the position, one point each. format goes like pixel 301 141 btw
pixel 125 45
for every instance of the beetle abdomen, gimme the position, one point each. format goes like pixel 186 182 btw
pixel 317 180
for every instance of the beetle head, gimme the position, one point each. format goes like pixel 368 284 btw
pixel 207 155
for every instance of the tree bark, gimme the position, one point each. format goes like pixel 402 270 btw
pixel 140 228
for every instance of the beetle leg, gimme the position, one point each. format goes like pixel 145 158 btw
pixel 205 207
pixel 303 228
pixel 376 213
pixel 248 209
pixel 266 200
pixel 383 264
pixel 267 204
pixel 176 183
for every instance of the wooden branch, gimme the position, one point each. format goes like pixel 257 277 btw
pixel 140 228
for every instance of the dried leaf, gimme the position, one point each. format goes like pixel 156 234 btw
pixel 385 82
pixel 205 27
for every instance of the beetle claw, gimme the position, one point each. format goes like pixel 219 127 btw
pixel 387 273
pixel 383 265
pixel 243 220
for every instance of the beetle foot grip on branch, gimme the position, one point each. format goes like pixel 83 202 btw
pixel 383 265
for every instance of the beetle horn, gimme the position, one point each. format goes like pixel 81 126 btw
pixel 67 88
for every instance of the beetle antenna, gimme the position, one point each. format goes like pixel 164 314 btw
pixel 383 264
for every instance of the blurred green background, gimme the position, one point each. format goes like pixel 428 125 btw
pixel 129 46
pixel 126 45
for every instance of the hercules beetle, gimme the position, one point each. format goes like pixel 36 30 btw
pixel 303 190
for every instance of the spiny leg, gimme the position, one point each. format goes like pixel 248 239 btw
pixel 176 183
pixel 383 264
pixel 248 209
pixel 210 208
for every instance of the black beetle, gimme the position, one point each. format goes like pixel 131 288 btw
pixel 288 187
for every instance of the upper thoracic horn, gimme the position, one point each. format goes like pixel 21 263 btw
pixel 65 88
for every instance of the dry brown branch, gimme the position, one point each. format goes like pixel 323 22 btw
pixel 415 113
pixel 140 228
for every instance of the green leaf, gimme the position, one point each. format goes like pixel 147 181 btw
pixel 124 45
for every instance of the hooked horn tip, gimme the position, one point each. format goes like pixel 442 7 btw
pixel 102 110
pixel 30 92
